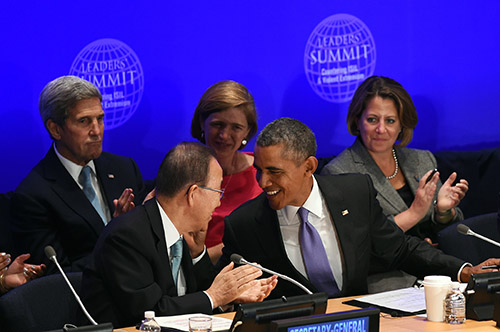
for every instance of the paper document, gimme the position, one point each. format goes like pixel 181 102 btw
pixel 180 322
pixel 407 299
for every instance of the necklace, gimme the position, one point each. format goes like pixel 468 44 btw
pixel 396 170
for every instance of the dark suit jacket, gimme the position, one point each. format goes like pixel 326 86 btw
pixel 413 163
pixel 365 234
pixel 129 272
pixel 48 207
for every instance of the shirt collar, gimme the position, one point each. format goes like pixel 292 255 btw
pixel 73 169
pixel 171 233
pixel 312 203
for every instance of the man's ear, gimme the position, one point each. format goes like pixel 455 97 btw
pixel 311 164
pixel 190 196
pixel 54 129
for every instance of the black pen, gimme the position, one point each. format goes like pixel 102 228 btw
pixel 486 267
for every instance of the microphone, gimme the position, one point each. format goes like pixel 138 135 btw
pixel 238 259
pixel 465 230
pixel 51 254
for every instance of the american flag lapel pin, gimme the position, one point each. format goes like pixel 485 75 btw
pixel 345 212
pixel 111 176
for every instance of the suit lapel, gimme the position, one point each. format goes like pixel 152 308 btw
pixel 409 162
pixel 161 245
pixel 271 242
pixel 69 192
pixel 339 212
pixel 107 180
pixel 366 165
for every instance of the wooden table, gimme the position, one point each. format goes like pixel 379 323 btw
pixel 390 324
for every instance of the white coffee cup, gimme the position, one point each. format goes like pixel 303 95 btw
pixel 436 288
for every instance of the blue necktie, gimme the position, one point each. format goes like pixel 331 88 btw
pixel 176 252
pixel 315 258
pixel 89 191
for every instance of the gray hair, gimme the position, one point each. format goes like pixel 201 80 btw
pixel 61 94
pixel 298 140
pixel 184 165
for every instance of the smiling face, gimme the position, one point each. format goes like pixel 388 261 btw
pixel 80 138
pixel 379 125
pixel 283 181
pixel 224 131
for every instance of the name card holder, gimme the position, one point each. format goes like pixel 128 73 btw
pixel 361 320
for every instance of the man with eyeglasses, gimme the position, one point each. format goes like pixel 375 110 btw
pixel 154 257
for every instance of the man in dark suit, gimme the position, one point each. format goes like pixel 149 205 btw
pixel 133 267
pixel 338 217
pixel 72 193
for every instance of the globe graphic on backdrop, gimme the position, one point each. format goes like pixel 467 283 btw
pixel 340 54
pixel 115 69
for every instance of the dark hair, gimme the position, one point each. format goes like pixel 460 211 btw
pixel 222 96
pixel 385 88
pixel 184 165
pixel 298 140
pixel 61 94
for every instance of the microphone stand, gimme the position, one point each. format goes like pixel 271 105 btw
pixel 105 327
pixel 237 259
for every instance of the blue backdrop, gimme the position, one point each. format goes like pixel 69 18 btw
pixel 445 53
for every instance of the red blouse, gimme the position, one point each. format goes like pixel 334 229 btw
pixel 239 188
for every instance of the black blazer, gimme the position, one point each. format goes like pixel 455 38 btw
pixel 129 272
pixel 48 207
pixel 368 239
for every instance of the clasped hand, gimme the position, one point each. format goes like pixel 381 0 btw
pixel 240 285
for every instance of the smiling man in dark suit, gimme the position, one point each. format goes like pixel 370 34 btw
pixel 72 193
pixel 327 232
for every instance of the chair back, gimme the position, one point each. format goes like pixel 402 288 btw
pixel 470 248
pixel 7 242
pixel 42 304
pixel 480 169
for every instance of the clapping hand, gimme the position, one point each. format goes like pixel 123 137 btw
pixel 449 196
pixel 125 203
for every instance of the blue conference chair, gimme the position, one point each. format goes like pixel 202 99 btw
pixel 7 242
pixel 42 304
pixel 469 248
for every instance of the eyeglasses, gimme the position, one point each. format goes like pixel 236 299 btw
pixel 221 191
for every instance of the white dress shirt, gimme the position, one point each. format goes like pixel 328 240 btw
pixel 74 170
pixel 171 237
pixel 320 218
